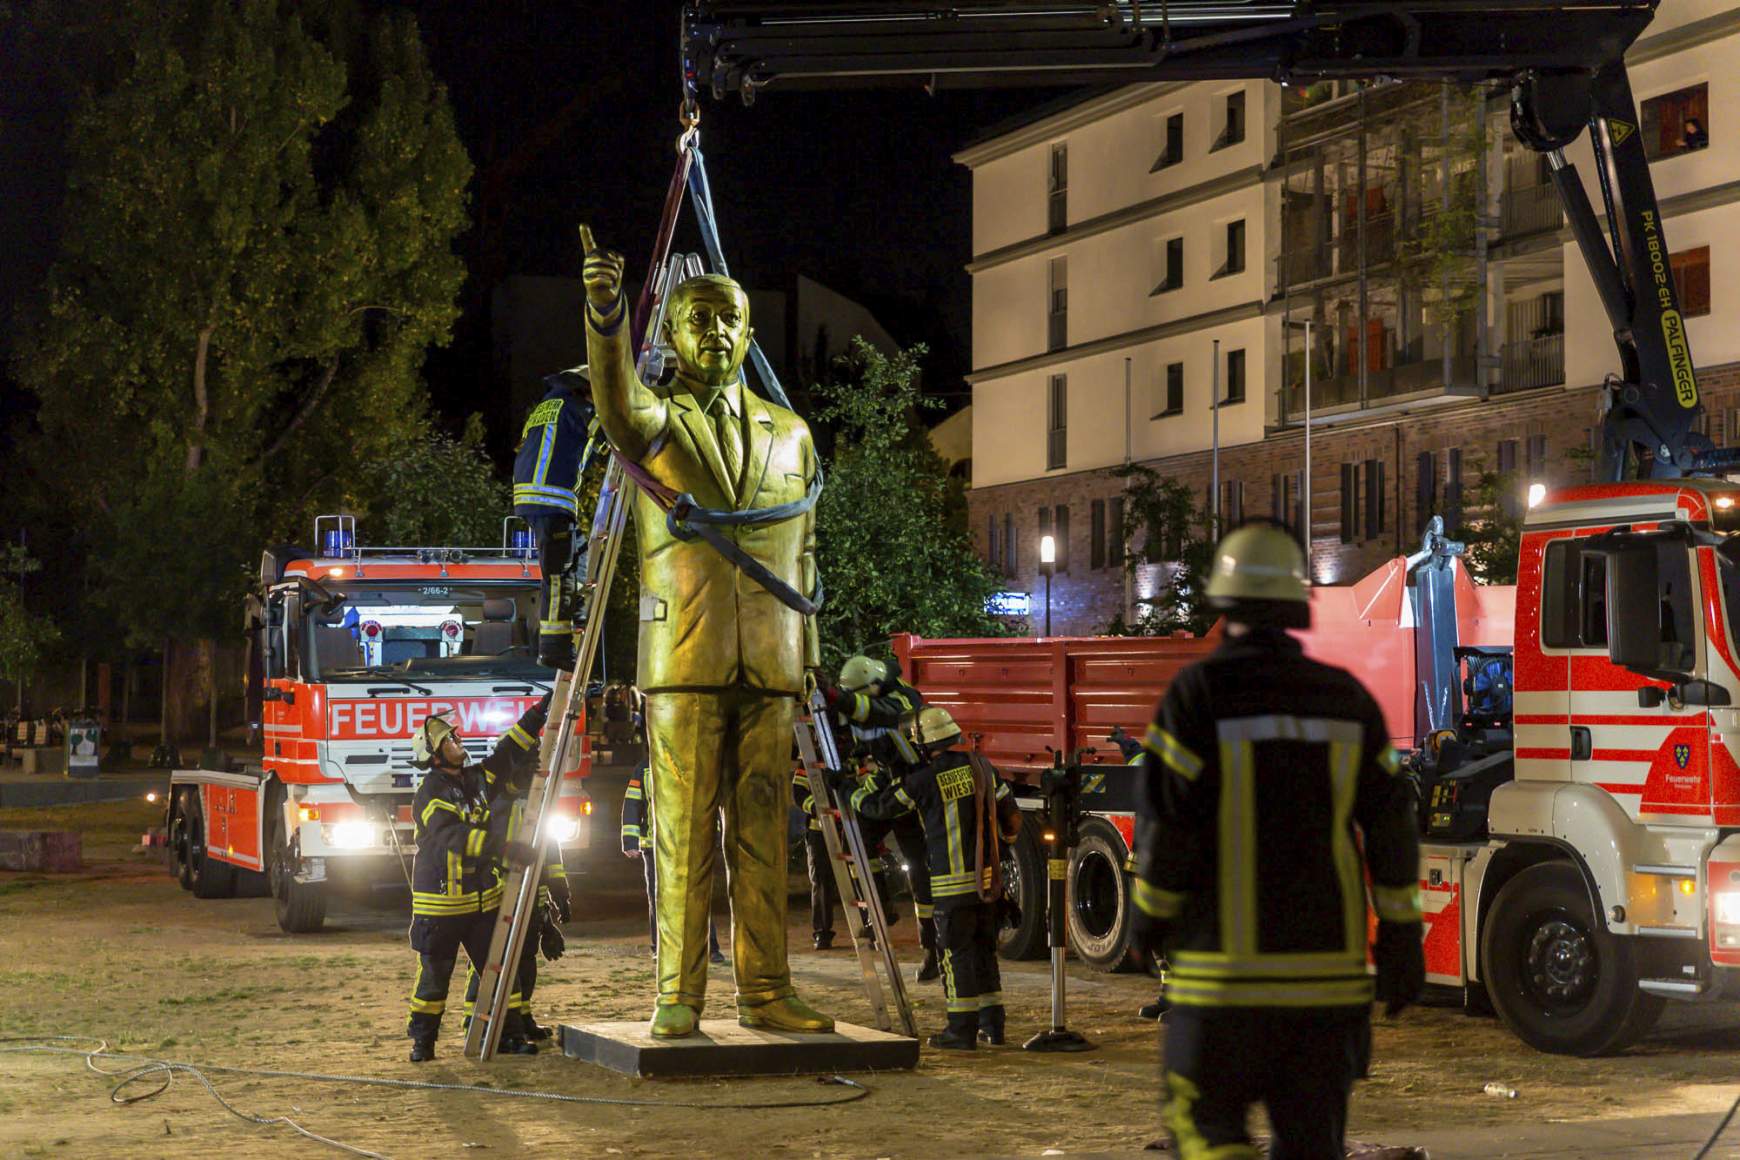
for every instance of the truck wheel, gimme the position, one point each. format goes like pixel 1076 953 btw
pixel 181 838
pixel 1099 916
pixel 1024 882
pixel 1556 976
pixel 209 877
pixel 301 906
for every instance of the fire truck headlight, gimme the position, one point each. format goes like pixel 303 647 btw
pixel 352 835
pixel 561 829
pixel 1728 908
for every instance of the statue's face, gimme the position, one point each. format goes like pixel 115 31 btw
pixel 708 325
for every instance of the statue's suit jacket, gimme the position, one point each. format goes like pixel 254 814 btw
pixel 704 624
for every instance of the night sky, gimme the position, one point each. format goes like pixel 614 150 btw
pixel 569 114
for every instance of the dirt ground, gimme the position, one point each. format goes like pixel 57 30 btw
pixel 120 952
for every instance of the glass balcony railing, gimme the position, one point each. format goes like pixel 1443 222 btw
pixel 1531 209
pixel 1393 382
pixel 1532 362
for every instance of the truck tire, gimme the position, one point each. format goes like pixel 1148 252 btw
pixel 1024 882
pixel 301 906
pixel 1556 976
pixel 1100 918
pixel 210 878
pixel 181 837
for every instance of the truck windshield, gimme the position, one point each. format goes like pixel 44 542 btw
pixel 429 630
pixel 1730 574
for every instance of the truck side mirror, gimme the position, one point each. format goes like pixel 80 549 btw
pixel 1644 617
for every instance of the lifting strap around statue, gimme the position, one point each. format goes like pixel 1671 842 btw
pixel 686 519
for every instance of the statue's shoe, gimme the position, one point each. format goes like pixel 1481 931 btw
pixel 674 1020
pixel 790 1014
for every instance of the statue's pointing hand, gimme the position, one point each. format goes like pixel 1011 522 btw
pixel 602 272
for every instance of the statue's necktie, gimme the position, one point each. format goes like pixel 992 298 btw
pixel 730 436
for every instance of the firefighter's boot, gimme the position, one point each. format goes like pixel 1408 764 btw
pixel 962 1033
pixel 422 1050
pixel 516 1045
pixel 928 969
pixel 1152 1010
pixel 991 1025
pixel 556 651
pixel 535 1031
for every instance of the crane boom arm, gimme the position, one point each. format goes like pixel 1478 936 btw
pixel 1564 62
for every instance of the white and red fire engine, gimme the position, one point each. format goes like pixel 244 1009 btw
pixel 350 648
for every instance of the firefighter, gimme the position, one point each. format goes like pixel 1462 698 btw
pixel 455 888
pixel 637 842
pixel 547 471
pixel 871 702
pixel 824 891
pixel 1131 750
pixel 965 810
pixel 1266 776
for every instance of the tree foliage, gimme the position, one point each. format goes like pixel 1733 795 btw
pixel 891 558
pixel 1491 525
pixel 433 490
pixel 23 636
pixel 1170 535
pixel 256 254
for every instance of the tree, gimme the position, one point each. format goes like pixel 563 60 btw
pixel 890 557
pixel 23 637
pixel 256 254
pixel 1164 530
pixel 1491 528
pixel 433 490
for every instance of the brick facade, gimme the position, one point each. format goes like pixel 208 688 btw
pixel 1554 420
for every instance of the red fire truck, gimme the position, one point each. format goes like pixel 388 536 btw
pixel 350 648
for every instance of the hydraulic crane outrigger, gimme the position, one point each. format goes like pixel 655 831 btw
pixel 1565 63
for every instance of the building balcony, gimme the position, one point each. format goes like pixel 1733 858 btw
pixel 1532 209
pixel 1532 362
pixel 1340 392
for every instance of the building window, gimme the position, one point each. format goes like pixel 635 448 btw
pixel 1692 280
pixel 1172 148
pixel 1453 488
pixel 1170 397
pixel 1097 534
pixel 1535 456
pixel 1235 377
pixel 1507 483
pixel 1233 126
pixel 991 555
pixel 1376 518
pixel 1235 250
pixel 1676 123
pixel 1506 456
pixel 1349 502
pixel 1425 489
pixel 1172 267
pixel 1060 528
pixel 1057 187
pixel 1058 333
pixel 1057 424
pixel 1232 503
pixel 1044 531
pixel 1115 532
pixel 1010 559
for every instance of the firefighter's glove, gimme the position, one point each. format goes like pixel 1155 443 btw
pixel 833 696
pixel 842 783
pixel 1009 913
pixel 561 901
pixel 631 844
pixel 1401 965
pixel 519 853
pixel 551 942
pixel 543 706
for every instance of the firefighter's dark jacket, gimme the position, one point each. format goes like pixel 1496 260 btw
pixel 547 465
pixel 1261 764
pixel 636 824
pixel 453 875
pixel 941 792
pixel 871 722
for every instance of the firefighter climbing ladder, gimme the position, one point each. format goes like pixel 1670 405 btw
pixel 853 870
pixel 564 736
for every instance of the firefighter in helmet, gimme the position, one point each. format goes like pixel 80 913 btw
pixel 548 469
pixel 455 887
pixel 966 812
pixel 1267 777
pixel 870 703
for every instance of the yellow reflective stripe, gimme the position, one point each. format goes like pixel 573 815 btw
pixel 634 793
pixel 1236 881
pixel 924 909
pixel 1155 902
pixel 1177 1113
pixel 905 701
pixel 1218 993
pixel 952 827
pixel 474 842
pixel 1177 756
pixel 555 870
pixel 1002 790
pixel 1389 759
pixel 1186 964
pixel 1397 903
pixel 904 747
pixel 966 877
pixel 455 873
pixel 991 999
pixel 904 798
pixel 631 831
pixel 519 737
pixel 1344 788
pixel 428 1006
pixel 860 707
pixel 439 804
pixel 555 628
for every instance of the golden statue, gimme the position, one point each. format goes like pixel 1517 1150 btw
pixel 722 660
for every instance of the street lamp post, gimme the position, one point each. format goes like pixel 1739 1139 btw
pixel 1047 562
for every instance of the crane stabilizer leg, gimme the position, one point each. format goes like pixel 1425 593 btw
pixel 853 874
pixel 561 747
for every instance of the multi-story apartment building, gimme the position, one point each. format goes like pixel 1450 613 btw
pixel 1140 246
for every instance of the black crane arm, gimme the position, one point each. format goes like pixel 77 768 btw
pixel 1564 62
